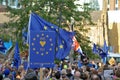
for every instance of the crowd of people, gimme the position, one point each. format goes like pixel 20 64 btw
pixel 64 70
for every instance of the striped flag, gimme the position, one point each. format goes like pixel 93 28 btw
pixel 76 46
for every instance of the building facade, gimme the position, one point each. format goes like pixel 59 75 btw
pixel 113 11
pixel 107 26
pixel 10 3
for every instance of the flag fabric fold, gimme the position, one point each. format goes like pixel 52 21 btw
pixel 63 37
pixel 16 57
pixel 76 46
pixel 105 48
pixel 95 49
pixel 102 52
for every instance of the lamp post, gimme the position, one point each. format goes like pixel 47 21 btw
pixel 71 28
pixel 60 14
pixel 72 22
pixel 103 24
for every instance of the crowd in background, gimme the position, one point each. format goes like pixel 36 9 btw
pixel 65 70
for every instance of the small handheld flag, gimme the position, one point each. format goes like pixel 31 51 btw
pixel 17 59
pixel 76 46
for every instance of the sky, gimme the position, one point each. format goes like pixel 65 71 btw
pixel 100 3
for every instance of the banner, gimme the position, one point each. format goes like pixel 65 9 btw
pixel 42 49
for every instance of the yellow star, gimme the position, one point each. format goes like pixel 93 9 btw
pixel 37 52
pixel 46 52
pixel 45 27
pixel 50 49
pixel 52 27
pixel 34 39
pixel 47 36
pixel 62 41
pixel 42 54
pixel 56 49
pixel 61 46
pixel 34 49
pixel 42 34
pixel 37 35
pixel 50 39
pixel 51 44
pixel 32 44
pixel 57 30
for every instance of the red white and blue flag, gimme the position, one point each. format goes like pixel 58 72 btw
pixel 76 46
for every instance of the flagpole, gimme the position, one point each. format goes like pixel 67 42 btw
pixel 41 74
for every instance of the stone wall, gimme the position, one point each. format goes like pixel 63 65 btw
pixel 114 36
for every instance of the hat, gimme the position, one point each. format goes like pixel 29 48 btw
pixel 63 71
pixel 6 72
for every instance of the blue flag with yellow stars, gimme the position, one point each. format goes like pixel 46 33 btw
pixel 16 57
pixel 105 47
pixel 95 49
pixel 63 41
pixel 42 49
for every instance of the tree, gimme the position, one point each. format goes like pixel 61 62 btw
pixel 57 12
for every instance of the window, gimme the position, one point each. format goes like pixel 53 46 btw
pixel 116 1
pixel 108 1
pixel 116 8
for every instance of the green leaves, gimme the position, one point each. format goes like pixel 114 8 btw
pixel 57 12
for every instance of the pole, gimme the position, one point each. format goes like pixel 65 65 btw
pixel 71 28
pixel 60 13
pixel 41 74
pixel 103 28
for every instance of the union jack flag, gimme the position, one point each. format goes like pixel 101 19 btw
pixel 76 46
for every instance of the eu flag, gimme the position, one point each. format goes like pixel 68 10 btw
pixel 17 59
pixel 63 41
pixel 42 49
pixel 95 50
pixel 105 48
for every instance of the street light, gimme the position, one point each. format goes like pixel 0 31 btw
pixel 103 24
pixel 72 22
pixel 71 28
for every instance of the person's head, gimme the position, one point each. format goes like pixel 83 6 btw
pixel 63 73
pixel 31 76
pixel 6 72
pixel 68 71
pixel 57 75
pixel 77 74
pixel 84 76
pixel 1 76
pixel 95 77
pixel 117 73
